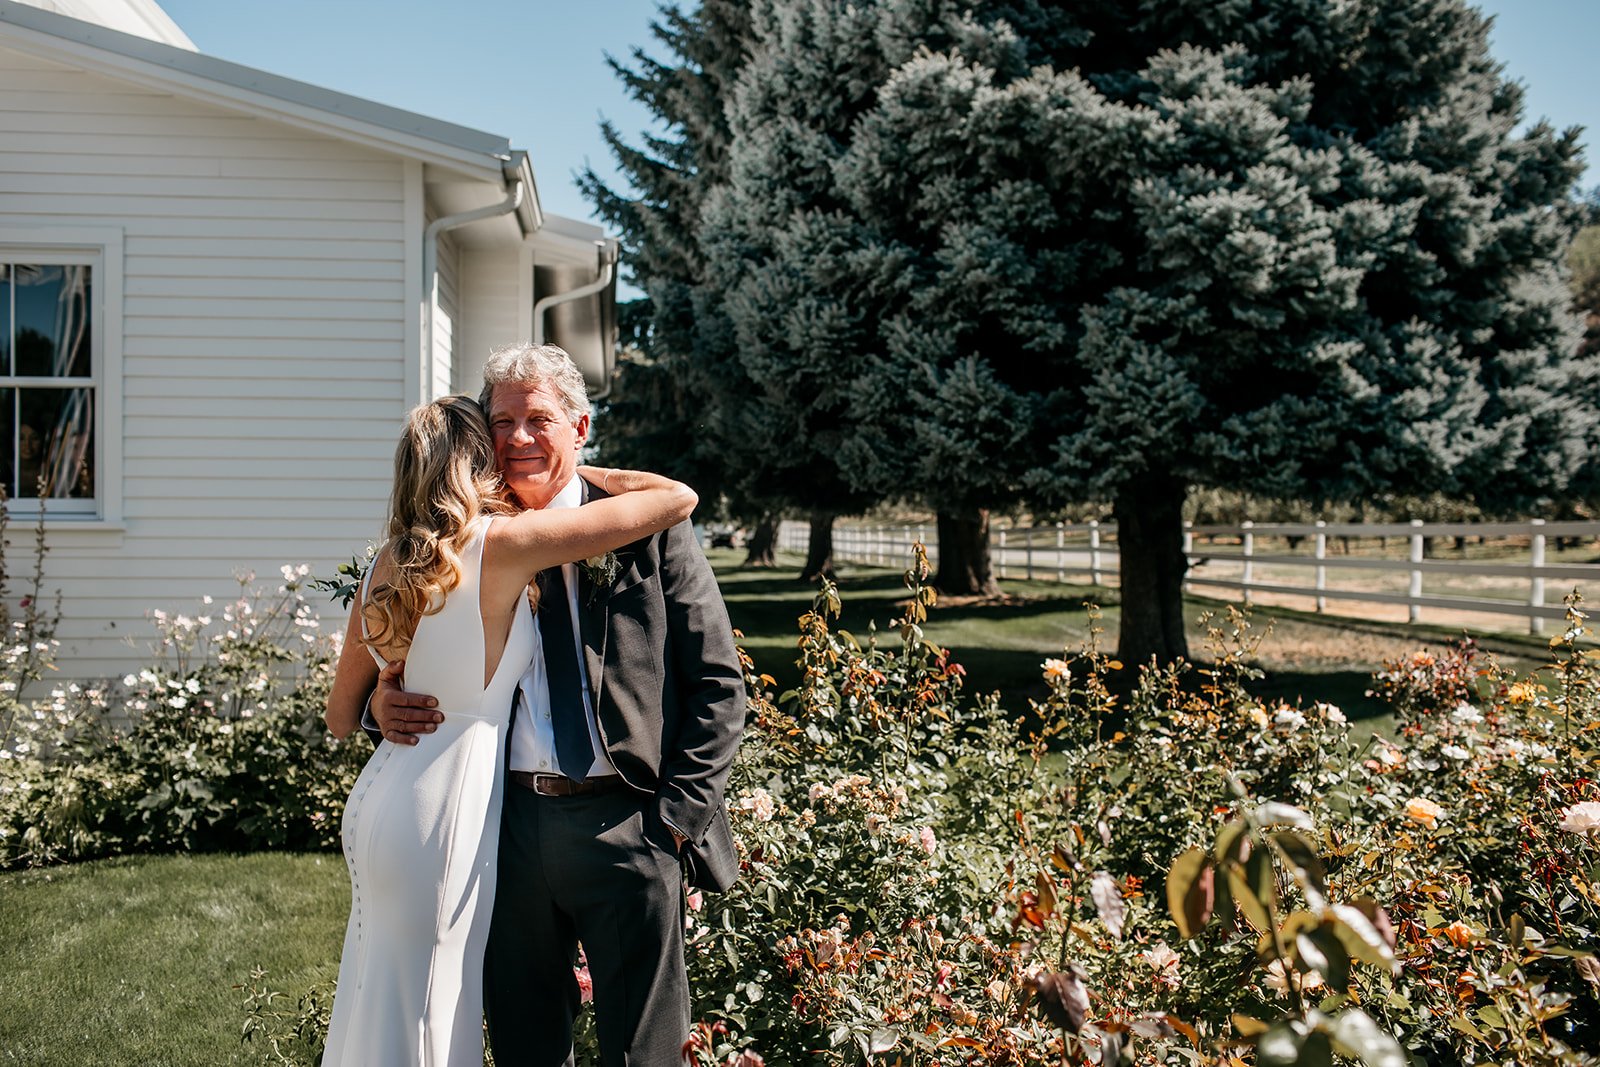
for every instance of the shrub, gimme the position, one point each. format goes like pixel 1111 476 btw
pixel 217 744
pixel 924 880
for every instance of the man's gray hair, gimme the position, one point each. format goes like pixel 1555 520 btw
pixel 525 364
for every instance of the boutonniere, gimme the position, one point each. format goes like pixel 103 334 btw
pixel 602 570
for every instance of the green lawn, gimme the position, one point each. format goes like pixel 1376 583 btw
pixel 132 961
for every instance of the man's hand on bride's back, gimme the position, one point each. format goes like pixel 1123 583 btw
pixel 400 715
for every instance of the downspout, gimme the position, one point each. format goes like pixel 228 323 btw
pixel 430 267
pixel 608 267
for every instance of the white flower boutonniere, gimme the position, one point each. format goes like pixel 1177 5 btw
pixel 602 570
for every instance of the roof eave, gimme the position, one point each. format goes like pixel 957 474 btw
pixel 169 69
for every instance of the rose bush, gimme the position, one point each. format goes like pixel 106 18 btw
pixel 927 881
pixel 217 744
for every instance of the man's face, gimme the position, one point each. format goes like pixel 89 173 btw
pixel 535 442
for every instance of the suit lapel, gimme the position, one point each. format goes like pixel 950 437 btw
pixel 593 613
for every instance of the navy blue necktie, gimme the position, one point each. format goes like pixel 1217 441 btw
pixel 574 750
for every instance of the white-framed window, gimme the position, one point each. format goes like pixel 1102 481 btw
pixel 60 381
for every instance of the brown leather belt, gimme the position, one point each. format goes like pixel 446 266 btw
pixel 557 785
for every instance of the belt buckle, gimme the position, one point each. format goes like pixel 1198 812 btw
pixel 552 785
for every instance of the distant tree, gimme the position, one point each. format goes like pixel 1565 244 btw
pixel 1291 249
pixel 773 239
pixel 1583 259
pixel 679 375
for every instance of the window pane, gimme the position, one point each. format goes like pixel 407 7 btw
pixel 8 440
pixel 55 440
pixel 5 318
pixel 52 320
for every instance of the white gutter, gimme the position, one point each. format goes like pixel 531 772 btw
pixel 608 267
pixel 430 268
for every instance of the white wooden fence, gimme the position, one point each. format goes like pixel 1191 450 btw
pixel 1284 558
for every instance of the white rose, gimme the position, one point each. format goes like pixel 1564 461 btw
pixel 1582 818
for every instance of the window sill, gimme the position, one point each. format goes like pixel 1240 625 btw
pixel 18 524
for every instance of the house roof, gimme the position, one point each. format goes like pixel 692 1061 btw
pixel 143 18
pixel 164 66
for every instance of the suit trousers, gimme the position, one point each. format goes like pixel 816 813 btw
pixel 601 869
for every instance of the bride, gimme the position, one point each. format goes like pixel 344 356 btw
pixel 448 594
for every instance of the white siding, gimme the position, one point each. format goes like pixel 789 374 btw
pixel 491 287
pixel 263 353
pixel 446 316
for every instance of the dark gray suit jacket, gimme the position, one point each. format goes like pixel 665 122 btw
pixel 667 688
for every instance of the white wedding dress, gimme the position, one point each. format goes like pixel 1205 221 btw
pixel 421 835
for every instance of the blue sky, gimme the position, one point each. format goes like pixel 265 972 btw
pixel 535 70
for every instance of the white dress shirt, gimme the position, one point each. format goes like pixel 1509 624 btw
pixel 533 735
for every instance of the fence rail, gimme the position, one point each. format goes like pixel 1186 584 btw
pixel 1228 558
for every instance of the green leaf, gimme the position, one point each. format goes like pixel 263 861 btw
pixel 1316 1051
pixel 1224 907
pixel 1357 1035
pixel 1261 881
pixel 1232 841
pixel 1306 864
pixel 1360 936
pixel 1335 965
pixel 1289 930
pixel 1189 892
pixel 1240 890
pixel 1279 1046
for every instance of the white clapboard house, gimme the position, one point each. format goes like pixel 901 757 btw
pixel 220 291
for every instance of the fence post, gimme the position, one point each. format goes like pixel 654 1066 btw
pixel 1001 555
pixel 1188 554
pixel 1322 572
pixel 1027 559
pixel 1536 582
pixel 1061 556
pixel 905 550
pixel 1094 551
pixel 1248 537
pixel 1414 610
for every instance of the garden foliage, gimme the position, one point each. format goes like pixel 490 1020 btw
pixel 217 744
pixel 1166 870
pixel 1179 875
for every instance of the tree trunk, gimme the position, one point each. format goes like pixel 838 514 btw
pixel 964 565
pixel 1150 540
pixel 760 549
pixel 819 549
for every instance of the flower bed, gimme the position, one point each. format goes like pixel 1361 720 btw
pixel 1180 874
pixel 1165 870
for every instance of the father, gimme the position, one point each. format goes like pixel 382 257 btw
pixel 621 740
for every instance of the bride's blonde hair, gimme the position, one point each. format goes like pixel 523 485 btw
pixel 444 479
